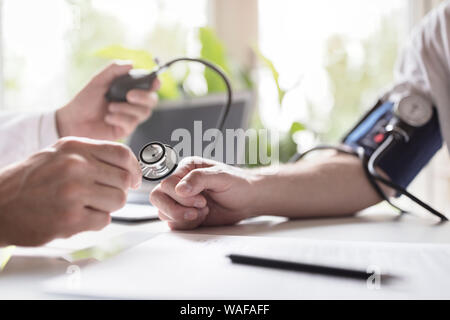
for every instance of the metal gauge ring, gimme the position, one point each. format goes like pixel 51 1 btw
pixel 157 161
pixel 414 110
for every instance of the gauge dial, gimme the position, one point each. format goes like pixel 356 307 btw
pixel 414 110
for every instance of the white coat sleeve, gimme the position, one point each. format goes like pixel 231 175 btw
pixel 22 134
pixel 424 67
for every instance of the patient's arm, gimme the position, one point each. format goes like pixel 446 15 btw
pixel 204 192
pixel 333 186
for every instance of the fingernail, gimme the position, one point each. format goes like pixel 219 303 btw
pixel 184 187
pixel 190 215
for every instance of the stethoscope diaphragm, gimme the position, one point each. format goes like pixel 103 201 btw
pixel 157 161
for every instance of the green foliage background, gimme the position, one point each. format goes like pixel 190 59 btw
pixel 101 37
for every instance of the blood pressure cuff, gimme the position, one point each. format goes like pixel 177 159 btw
pixel 403 162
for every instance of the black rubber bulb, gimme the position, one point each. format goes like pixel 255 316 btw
pixel 121 85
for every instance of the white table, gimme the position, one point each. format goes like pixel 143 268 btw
pixel 23 276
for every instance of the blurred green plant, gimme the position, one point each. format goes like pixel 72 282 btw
pixel 287 145
pixel 355 86
pixel 275 74
pixel 213 49
pixel 94 30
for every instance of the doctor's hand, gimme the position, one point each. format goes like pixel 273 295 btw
pixel 205 192
pixel 91 115
pixel 65 189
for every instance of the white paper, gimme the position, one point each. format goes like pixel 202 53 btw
pixel 136 211
pixel 192 266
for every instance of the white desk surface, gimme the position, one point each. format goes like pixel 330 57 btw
pixel 23 276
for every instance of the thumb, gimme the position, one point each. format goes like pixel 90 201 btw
pixel 114 70
pixel 199 180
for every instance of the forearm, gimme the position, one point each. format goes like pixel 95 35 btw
pixel 335 186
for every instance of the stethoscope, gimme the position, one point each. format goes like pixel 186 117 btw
pixel 158 160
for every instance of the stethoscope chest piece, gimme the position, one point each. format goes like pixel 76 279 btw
pixel 158 161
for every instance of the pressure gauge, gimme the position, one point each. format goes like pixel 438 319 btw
pixel 157 161
pixel 414 110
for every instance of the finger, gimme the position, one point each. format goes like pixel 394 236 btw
pixel 137 111
pixel 108 175
pixel 183 225
pixel 94 220
pixel 171 208
pixel 142 97
pixel 156 85
pixel 168 186
pixel 111 72
pixel 199 180
pixel 188 164
pixel 163 217
pixel 118 132
pixel 188 225
pixel 120 156
pixel 105 198
pixel 123 120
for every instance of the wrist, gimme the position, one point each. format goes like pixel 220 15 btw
pixel 63 123
pixel 264 190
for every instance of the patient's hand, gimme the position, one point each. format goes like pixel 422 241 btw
pixel 90 115
pixel 204 192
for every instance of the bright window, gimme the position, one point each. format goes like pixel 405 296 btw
pixel 49 46
pixel 338 56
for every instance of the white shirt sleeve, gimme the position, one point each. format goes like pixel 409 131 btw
pixel 23 134
pixel 424 67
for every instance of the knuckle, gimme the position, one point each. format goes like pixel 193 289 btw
pixel 68 143
pixel 113 65
pixel 125 178
pixel 175 210
pixel 195 160
pixel 196 174
pixel 69 191
pixel 73 164
pixel 220 173
pixel 162 216
pixel 167 184
pixel 121 198
pixel 122 152
pixel 154 196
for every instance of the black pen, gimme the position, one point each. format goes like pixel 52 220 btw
pixel 302 267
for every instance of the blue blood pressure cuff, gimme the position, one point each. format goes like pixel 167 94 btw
pixel 403 162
